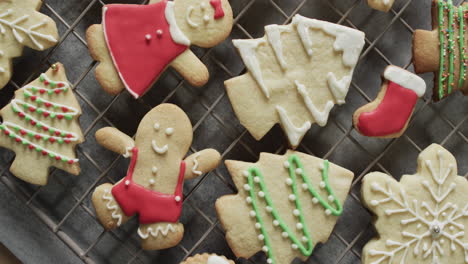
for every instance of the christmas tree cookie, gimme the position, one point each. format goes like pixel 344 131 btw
pixel 388 115
pixel 136 43
pixel 154 182
pixel 421 219
pixel 443 50
pixel 285 205
pixel 296 74
pixel 22 25
pixel 381 5
pixel 41 126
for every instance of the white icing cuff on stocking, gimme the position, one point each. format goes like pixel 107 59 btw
pixel 406 79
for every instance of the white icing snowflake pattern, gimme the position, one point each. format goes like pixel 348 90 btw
pixel 431 208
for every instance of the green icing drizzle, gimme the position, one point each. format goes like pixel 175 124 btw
pixel 294 165
pixel 451 45
pixel 442 49
pixel 461 43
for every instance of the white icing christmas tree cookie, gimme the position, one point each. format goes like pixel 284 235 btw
pixel 422 218
pixel 296 74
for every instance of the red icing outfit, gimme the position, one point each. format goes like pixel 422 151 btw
pixel 142 40
pixel 391 115
pixel 151 206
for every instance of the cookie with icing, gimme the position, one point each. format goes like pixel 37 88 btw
pixel 286 204
pixel 207 259
pixel 41 126
pixel 443 49
pixel 389 114
pixel 381 5
pixel 22 25
pixel 296 74
pixel 423 217
pixel 153 184
pixel 136 43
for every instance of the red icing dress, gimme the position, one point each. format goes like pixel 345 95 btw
pixel 151 206
pixel 140 42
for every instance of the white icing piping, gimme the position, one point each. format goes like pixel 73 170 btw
pixel 247 49
pixel 159 150
pixel 128 152
pixel 295 134
pixel 195 165
pixel 216 260
pixel 189 20
pixel 406 79
pixel 30 32
pixel 176 34
pixel 320 118
pixel 273 33
pixel 155 232
pixel 114 208
pixel 339 88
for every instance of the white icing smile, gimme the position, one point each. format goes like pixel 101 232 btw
pixel 188 15
pixel 189 19
pixel 159 150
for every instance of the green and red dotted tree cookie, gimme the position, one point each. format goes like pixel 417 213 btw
pixel 41 126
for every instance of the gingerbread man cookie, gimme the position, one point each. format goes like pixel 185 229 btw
pixel 154 182
pixel 22 25
pixel 136 43
pixel 443 50
pixel 41 126
pixel 388 115
pixel 381 5
pixel 296 74
pixel 207 259
pixel 421 219
pixel 285 205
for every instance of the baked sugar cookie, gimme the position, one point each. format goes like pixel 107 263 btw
pixel 41 126
pixel 136 43
pixel 154 182
pixel 285 205
pixel 207 259
pixel 421 219
pixel 22 25
pixel 388 115
pixel 296 74
pixel 443 50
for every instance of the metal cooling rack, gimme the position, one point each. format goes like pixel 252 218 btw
pixel 64 204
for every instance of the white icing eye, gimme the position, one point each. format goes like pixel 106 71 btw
pixel 154 170
pixel 156 126
pixel 177 198
pixel 206 18
pixel 151 182
pixel 169 131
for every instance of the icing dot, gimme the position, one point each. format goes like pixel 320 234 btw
pixel 177 198
pixel 289 181
pixel 294 246
pixel 328 212
pixel 275 222
pixel 292 197
pixel 305 186
pixel 245 173
pixel 298 171
pixel 256 179
pixel 374 202
pixel 444 214
pixel 284 234
pixel 418 226
pixel 261 237
pixel 375 186
pixel 261 194
pixel 304 239
pixel 154 170
pixel 159 32
pixel 299 226
pixel 248 200
pixel 322 184
pixel 246 187
pixel 331 198
pixel 269 261
pixel 296 212
pixel 310 52
pixel 451 228
pixel 265 249
pixel 269 209
pixel 206 18
pixel 156 126
pixel 252 213
pixel 127 182
pixel 148 37
pixel 169 131
pixel 315 200
pixel 286 164
pixel 426 213
pixel 258 225
pixel 151 182
pixel 442 241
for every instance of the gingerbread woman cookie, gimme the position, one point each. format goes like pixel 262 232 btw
pixel 136 43
pixel 388 115
pixel 207 259
pixel 296 74
pixel 22 25
pixel 41 126
pixel 153 185
pixel 443 50
pixel 421 219
pixel 285 205
pixel 381 5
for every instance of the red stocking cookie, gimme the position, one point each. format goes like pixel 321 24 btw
pixel 388 115
pixel 153 185
pixel 136 43
pixel 41 125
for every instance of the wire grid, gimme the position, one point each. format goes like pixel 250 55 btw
pixel 64 205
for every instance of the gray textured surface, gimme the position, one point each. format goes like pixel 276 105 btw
pixel 66 200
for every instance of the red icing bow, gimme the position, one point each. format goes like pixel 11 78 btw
pixel 219 12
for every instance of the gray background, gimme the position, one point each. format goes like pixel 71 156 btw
pixel 56 223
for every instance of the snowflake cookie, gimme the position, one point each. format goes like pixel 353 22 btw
pixel 22 25
pixel 296 74
pixel 286 204
pixel 41 126
pixel 422 218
